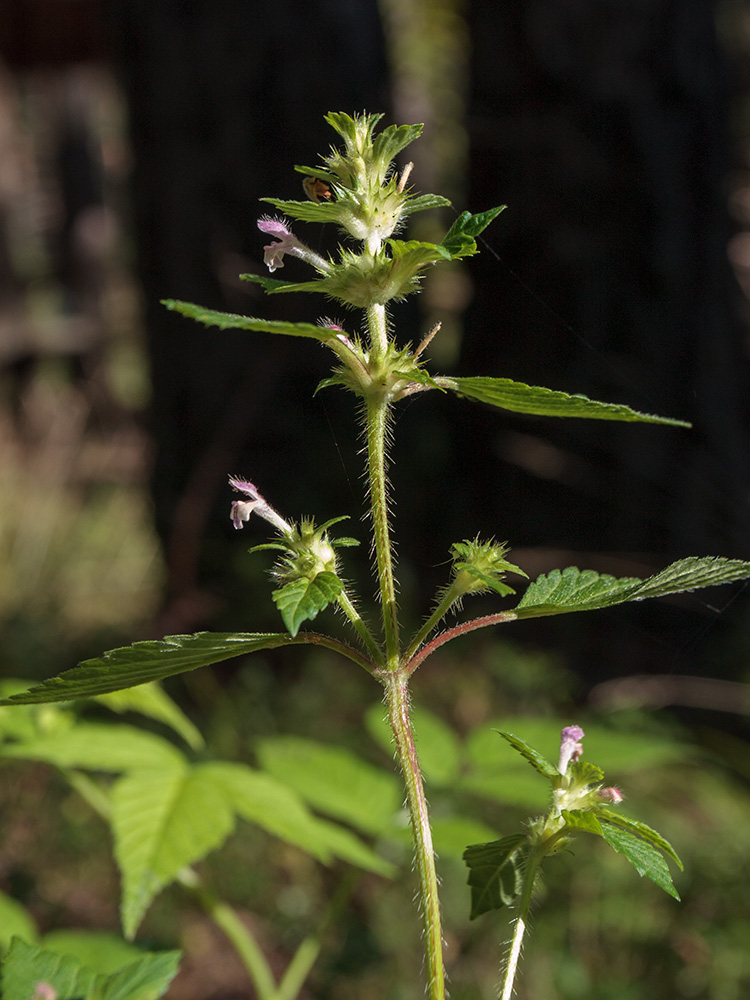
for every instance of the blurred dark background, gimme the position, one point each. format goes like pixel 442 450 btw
pixel 137 140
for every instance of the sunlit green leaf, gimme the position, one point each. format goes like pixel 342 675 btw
pixel 146 661
pixel 643 856
pixel 522 398
pixel 574 590
pixel 639 829
pixel 537 761
pixel 301 600
pixel 162 821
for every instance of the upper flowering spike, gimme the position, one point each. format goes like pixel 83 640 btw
pixel 571 748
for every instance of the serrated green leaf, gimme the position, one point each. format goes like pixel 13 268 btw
pixel 522 398
pixel 583 772
pixel 334 781
pixel 494 873
pixel 583 819
pixel 389 143
pixel 145 661
pixel 162 821
pixel 644 857
pixel 152 701
pixel 641 830
pixel 420 376
pixel 98 747
pixel 233 321
pixel 537 761
pixel 307 211
pixel 261 799
pixel 301 600
pixel 348 847
pixel 27 965
pixel 574 590
pixel 423 202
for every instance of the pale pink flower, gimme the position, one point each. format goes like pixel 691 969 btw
pixel 273 254
pixel 242 509
pixel 571 748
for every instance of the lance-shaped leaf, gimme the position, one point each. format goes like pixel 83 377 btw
pixel 643 847
pixel 571 589
pixel 149 660
pixel 232 321
pixel 641 830
pixel 537 761
pixel 522 398
pixel 643 856
pixel 494 873
pixel 301 600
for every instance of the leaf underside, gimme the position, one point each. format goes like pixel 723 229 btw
pixel 145 661
pixel 533 399
pixel 233 321
pixel 494 873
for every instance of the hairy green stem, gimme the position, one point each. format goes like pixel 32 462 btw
pixel 360 625
pixel 432 622
pixel 520 924
pixel 377 325
pixel 397 700
pixel 377 420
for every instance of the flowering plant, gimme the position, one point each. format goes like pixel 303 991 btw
pixel 358 189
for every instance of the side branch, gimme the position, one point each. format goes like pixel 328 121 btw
pixel 454 633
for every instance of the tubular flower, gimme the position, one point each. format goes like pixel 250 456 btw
pixel 242 509
pixel 286 242
pixel 570 747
